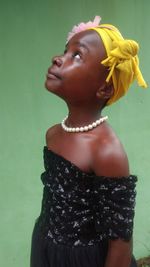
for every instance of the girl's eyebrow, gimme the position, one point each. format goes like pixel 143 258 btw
pixel 79 44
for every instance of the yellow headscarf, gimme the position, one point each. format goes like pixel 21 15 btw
pixel 122 60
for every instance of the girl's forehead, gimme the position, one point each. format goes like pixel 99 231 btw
pixel 87 39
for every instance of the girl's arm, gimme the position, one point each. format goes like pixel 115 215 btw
pixel 119 253
pixel 111 161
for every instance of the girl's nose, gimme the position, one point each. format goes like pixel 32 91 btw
pixel 57 61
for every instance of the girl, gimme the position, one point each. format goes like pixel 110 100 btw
pixel 89 194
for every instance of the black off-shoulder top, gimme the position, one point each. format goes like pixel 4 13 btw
pixel 79 208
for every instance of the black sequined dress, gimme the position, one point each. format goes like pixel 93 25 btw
pixel 80 213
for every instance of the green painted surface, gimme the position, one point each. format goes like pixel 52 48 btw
pixel 31 32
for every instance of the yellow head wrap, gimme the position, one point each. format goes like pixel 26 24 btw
pixel 122 60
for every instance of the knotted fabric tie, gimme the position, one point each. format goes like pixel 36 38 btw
pixel 122 60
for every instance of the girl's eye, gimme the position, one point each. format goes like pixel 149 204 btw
pixel 77 55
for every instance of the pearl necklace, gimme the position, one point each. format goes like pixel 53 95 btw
pixel 84 128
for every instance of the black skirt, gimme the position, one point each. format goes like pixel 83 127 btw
pixel 45 253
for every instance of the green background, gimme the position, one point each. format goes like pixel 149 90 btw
pixel 31 32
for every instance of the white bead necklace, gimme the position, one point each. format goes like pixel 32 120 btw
pixel 84 128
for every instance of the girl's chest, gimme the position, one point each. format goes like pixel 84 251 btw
pixel 76 149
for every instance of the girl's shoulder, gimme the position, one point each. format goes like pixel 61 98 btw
pixel 109 155
pixel 52 132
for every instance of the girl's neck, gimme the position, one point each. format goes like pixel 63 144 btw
pixel 78 117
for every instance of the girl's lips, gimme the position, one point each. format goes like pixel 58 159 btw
pixel 52 75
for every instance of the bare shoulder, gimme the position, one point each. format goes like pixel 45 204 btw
pixel 109 156
pixel 52 132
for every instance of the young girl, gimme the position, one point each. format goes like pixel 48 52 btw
pixel 89 194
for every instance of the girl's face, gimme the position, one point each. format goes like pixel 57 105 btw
pixel 76 75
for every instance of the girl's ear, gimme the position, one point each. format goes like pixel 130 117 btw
pixel 105 92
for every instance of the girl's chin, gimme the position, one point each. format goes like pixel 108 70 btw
pixel 52 89
pixel 52 85
pixel 49 86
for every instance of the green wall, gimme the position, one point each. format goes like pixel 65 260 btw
pixel 31 32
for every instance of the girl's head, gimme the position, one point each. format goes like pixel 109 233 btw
pixel 77 75
pixel 121 56
pixel 97 67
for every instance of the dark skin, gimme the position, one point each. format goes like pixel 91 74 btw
pixel 78 77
